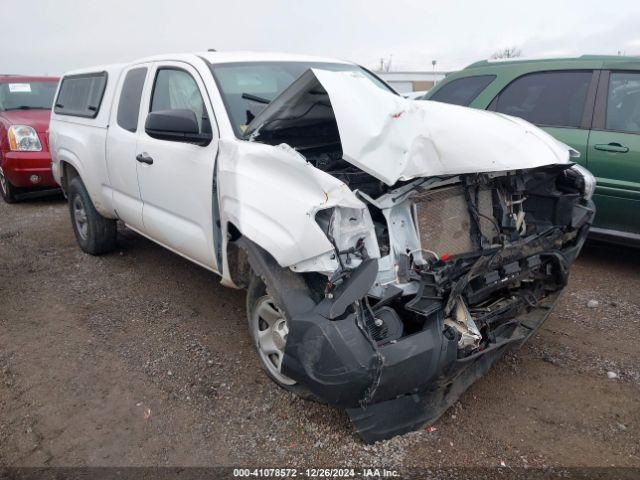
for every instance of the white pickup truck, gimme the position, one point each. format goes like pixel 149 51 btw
pixel 392 249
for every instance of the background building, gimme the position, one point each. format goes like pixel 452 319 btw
pixel 405 82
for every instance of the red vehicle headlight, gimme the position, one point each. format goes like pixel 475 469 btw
pixel 23 138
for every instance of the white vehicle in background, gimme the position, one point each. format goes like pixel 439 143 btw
pixel 392 250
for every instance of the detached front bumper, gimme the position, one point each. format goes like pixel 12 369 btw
pixel 28 169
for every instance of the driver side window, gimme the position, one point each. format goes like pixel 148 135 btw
pixel 175 89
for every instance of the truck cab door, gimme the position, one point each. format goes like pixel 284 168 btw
pixel 175 177
pixel 122 138
pixel 614 152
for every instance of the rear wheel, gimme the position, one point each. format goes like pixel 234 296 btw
pixel 7 190
pixel 95 234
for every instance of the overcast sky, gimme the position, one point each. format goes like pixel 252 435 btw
pixel 52 36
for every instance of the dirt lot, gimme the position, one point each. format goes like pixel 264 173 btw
pixel 141 358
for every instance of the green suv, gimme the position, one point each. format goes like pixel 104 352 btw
pixel 591 103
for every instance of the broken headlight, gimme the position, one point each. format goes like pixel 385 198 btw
pixel 349 230
pixel 586 181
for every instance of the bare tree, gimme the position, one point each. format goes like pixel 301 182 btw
pixel 385 65
pixel 508 52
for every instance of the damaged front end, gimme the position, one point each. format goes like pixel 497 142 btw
pixel 429 281
pixel 396 353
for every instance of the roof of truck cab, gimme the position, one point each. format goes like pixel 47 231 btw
pixel 247 56
pixel 240 56
pixel 211 57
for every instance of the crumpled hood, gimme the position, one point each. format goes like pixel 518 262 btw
pixel 393 138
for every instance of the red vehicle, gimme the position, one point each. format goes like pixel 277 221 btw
pixel 25 108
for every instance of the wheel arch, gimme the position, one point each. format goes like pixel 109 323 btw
pixel 68 172
pixel 70 166
pixel 236 271
pixel 244 256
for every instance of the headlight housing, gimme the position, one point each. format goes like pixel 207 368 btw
pixel 23 138
pixel 345 227
pixel 588 180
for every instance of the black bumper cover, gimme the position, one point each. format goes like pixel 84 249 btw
pixel 416 378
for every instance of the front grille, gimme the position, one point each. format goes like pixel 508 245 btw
pixel 444 223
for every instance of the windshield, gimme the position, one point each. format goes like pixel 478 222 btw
pixel 26 95
pixel 249 87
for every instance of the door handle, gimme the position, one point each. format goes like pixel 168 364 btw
pixel 611 147
pixel 144 158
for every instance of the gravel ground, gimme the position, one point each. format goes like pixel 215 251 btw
pixel 141 358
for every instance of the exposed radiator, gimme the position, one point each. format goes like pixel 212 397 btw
pixel 444 223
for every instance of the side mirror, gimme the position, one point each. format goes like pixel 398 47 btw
pixel 178 125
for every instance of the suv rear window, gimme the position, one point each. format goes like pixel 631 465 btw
pixel 81 95
pixel 462 91
pixel 555 99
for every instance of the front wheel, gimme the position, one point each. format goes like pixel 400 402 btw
pixel 95 234
pixel 7 190
pixel 269 329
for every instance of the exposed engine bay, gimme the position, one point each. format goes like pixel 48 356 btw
pixel 430 282
pixel 487 250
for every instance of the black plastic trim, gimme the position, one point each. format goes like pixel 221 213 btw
pixel 600 112
pixel 587 114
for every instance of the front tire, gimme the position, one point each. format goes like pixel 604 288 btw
pixel 269 328
pixel 7 190
pixel 95 234
pixel 260 304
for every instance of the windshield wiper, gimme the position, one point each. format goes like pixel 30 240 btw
pixel 255 98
